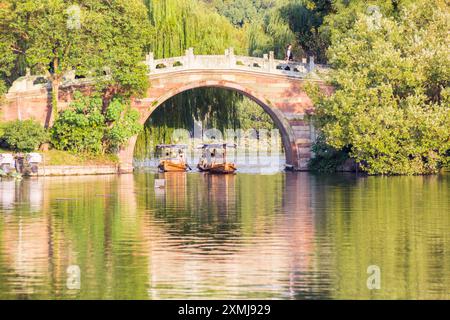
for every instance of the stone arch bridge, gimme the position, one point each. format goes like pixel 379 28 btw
pixel 277 86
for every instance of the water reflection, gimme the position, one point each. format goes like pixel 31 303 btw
pixel 282 236
pixel 29 193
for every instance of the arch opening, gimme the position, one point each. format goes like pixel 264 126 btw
pixel 278 122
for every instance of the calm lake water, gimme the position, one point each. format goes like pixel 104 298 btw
pixel 279 236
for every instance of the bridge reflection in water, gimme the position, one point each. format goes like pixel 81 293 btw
pixel 287 236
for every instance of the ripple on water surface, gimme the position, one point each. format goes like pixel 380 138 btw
pixel 274 236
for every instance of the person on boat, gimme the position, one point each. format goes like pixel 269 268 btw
pixel 173 159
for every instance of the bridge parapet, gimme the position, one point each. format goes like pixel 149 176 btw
pixel 230 61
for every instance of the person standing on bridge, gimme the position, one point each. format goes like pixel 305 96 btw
pixel 289 54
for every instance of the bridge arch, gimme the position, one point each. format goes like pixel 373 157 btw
pixel 282 97
pixel 276 85
pixel 287 134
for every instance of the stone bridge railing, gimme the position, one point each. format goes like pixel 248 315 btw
pixel 230 61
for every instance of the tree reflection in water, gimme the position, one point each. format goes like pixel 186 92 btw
pixel 288 236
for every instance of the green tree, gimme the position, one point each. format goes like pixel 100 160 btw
pixel 391 104
pixel 272 34
pixel 23 136
pixel 252 116
pixel 122 123
pixel 7 55
pixel 180 24
pixel 296 22
pixel 305 19
pixel 241 12
pixel 86 36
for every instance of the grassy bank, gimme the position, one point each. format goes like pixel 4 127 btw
pixel 64 158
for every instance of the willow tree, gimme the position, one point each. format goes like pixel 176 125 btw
pixel 241 12
pixel 181 24
pixel 272 33
pixel 296 22
pixel 89 37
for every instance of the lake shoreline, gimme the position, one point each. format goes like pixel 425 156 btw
pixel 83 170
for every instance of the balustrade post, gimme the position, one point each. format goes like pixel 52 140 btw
pixel 266 61
pixel 271 61
pixel 226 60
pixel 190 57
pixel 231 58
pixel 186 59
pixel 29 81
pixel 311 66
pixel 150 61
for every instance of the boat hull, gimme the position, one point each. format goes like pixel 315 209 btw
pixel 170 166
pixel 203 168
pixel 223 168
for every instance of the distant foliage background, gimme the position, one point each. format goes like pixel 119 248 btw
pixel 389 112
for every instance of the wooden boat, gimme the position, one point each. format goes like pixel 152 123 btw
pixel 214 159
pixel 172 166
pixel 223 168
pixel 173 158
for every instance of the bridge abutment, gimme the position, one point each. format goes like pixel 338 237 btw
pixel 304 134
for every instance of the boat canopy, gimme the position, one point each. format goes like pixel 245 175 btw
pixel 218 146
pixel 172 146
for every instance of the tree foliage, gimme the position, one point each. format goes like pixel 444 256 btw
pixel 7 55
pixel 242 12
pixel 272 34
pixel 180 24
pixel 272 24
pixel 23 136
pixel 86 36
pixel 391 105
pixel 86 127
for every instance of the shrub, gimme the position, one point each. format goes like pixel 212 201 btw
pixel 327 159
pixel 80 128
pixel 86 127
pixel 123 123
pixel 23 136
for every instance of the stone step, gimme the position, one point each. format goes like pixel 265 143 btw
pixel 301 128
pixel 304 152
pixel 298 123
pixel 303 142
pixel 302 135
